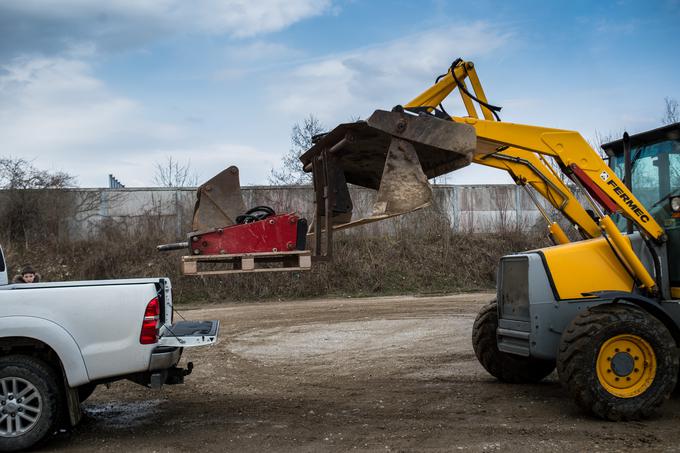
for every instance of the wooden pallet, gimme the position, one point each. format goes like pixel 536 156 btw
pixel 297 260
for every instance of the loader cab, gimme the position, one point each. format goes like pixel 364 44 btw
pixel 655 180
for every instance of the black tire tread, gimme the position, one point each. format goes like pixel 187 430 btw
pixel 51 400
pixel 503 366
pixel 575 364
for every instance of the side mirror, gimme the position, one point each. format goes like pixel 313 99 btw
pixel 3 269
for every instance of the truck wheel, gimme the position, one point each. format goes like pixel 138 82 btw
pixel 618 362
pixel 29 401
pixel 501 365
pixel 85 391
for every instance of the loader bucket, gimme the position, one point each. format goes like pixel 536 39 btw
pixel 394 153
pixel 218 201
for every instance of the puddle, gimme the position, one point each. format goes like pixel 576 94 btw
pixel 123 414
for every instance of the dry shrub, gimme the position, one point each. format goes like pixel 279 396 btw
pixel 420 255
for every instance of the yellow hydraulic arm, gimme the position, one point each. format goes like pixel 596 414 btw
pixel 523 150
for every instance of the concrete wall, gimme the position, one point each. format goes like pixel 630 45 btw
pixel 466 208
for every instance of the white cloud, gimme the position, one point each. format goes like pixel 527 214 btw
pixel 261 50
pixel 130 23
pixel 355 83
pixel 56 104
pixel 55 111
pixel 253 57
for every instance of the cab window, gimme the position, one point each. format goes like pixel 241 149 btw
pixel 655 178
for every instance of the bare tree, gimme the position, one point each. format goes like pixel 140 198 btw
pixel 17 173
pixel 171 173
pixel 32 208
pixel 672 113
pixel 290 171
pixel 600 139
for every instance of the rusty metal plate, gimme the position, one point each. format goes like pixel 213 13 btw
pixel 441 146
pixel 403 186
pixel 218 201
pixel 394 153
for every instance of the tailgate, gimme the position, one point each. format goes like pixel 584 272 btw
pixel 188 334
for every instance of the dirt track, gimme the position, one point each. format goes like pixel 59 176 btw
pixel 379 374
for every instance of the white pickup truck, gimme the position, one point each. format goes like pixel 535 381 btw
pixel 58 341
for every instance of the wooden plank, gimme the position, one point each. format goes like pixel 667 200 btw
pixel 231 256
pixel 305 262
pixel 189 267
pixel 247 263
pixel 297 260
pixel 239 271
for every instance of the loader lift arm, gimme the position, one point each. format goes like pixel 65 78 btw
pixel 516 148
pixel 524 152
pixel 520 150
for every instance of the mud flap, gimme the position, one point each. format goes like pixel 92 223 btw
pixel 72 404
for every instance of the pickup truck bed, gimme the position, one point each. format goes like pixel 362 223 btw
pixel 59 340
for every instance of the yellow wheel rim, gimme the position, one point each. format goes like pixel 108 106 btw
pixel 626 365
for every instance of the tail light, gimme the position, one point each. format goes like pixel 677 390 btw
pixel 151 322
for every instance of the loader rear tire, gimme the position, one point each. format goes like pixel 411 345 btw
pixel 618 362
pixel 501 365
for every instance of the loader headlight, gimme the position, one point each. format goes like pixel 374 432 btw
pixel 675 204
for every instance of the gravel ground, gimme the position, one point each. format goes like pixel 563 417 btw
pixel 375 374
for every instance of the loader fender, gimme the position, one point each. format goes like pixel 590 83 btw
pixel 651 306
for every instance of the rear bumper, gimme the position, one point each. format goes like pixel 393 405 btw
pixel 164 357
pixel 163 369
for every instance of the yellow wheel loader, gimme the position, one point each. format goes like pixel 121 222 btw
pixel 603 309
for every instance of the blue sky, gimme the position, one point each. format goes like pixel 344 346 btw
pixel 94 88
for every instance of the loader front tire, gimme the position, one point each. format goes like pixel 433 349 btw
pixel 501 365
pixel 618 362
